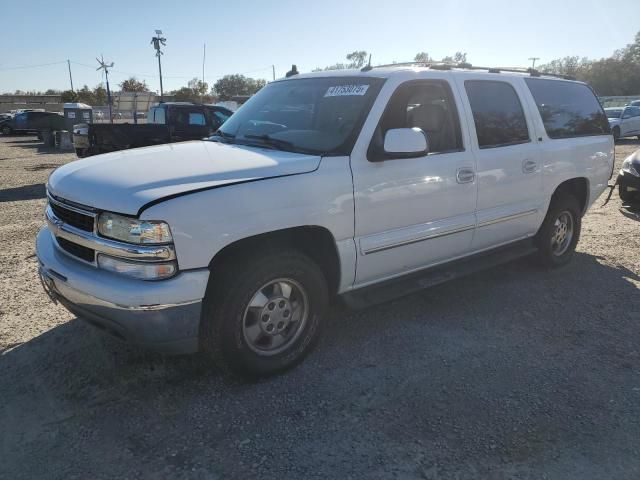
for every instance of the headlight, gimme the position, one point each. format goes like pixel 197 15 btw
pixel 628 166
pixel 139 270
pixel 133 230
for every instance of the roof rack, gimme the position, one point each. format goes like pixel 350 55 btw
pixel 467 66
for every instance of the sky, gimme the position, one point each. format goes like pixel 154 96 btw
pixel 249 36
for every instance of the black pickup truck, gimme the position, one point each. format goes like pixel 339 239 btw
pixel 167 122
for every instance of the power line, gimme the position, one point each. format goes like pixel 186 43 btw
pixel 20 67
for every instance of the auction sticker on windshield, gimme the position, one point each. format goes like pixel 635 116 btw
pixel 344 90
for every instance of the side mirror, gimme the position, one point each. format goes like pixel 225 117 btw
pixel 405 142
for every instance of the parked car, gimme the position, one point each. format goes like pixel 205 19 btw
pixel 629 178
pixel 166 123
pixel 35 122
pixel 635 103
pixel 362 184
pixel 624 121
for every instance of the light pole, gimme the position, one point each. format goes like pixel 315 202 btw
pixel 158 42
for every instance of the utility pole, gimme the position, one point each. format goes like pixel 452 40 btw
pixel 533 60
pixel 70 77
pixel 204 56
pixel 159 42
pixel 273 68
pixel 105 67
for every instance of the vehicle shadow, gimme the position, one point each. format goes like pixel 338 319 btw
pixel 557 343
pixel 628 141
pixel 24 192
pixel 38 145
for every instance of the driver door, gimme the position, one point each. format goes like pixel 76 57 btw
pixel 411 213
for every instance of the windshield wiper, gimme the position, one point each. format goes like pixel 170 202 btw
pixel 219 133
pixel 269 140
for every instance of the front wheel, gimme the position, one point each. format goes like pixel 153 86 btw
pixel 560 231
pixel 262 314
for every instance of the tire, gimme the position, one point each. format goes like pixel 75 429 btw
pixel 244 339
pixel 564 209
pixel 6 130
pixel 625 194
pixel 616 133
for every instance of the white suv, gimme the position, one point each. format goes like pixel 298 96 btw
pixel 624 121
pixel 365 184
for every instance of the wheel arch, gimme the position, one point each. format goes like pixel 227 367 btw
pixel 314 241
pixel 577 187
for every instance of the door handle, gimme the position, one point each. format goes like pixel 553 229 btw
pixel 529 166
pixel 465 175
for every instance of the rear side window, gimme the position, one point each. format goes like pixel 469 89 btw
pixel 497 113
pixel 196 118
pixel 156 116
pixel 568 109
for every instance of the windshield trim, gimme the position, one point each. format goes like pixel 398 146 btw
pixel 346 147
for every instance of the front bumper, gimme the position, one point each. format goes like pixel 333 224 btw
pixel 161 315
pixel 627 180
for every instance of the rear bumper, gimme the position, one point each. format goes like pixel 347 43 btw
pixel 162 316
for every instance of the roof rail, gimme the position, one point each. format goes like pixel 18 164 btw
pixel 468 66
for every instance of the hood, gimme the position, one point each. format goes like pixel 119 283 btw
pixel 126 180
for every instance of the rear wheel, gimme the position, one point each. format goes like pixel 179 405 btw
pixel 6 130
pixel 560 231
pixel 262 314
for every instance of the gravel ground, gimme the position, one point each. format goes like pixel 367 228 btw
pixel 515 373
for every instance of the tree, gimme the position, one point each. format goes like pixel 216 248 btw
pixel 618 74
pixel 422 57
pixel 132 84
pixel 198 87
pixel 458 57
pixel 232 85
pixel 566 66
pixel 184 94
pixel 69 96
pixel 52 91
pixel 85 95
pixel 357 59
pixel 99 95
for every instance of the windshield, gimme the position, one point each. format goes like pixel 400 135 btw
pixel 315 115
pixel 617 113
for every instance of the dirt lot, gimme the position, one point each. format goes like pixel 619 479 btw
pixel 516 372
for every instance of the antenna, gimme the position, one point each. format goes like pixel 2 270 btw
pixel 104 66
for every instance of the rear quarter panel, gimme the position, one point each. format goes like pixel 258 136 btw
pixel 589 157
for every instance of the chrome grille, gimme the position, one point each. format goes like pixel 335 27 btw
pixel 73 218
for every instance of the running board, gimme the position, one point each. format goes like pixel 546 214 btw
pixel 414 282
